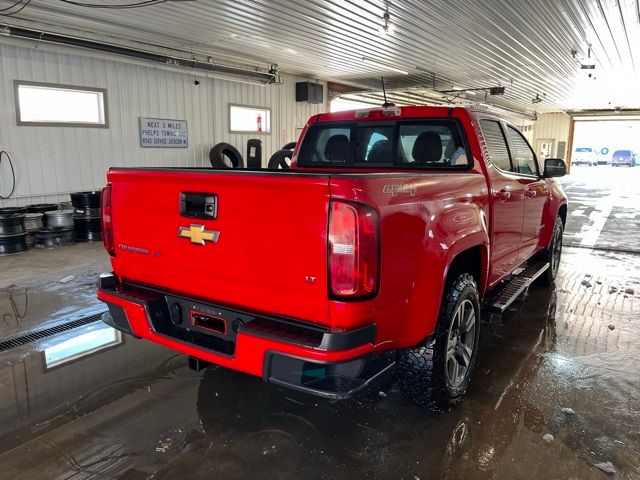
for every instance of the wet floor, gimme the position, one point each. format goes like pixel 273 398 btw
pixel 44 288
pixel 88 404
pixel 603 207
pixel 92 403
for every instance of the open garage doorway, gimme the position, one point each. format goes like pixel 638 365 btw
pixel 606 142
pixel 603 185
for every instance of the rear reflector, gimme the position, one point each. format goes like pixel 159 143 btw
pixel 353 250
pixel 107 225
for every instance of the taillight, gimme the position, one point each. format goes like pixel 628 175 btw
pixel 107 226
pixel 353 250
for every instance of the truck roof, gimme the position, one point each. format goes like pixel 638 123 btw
pixel 411 111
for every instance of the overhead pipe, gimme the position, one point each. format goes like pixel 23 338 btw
pixel 41 36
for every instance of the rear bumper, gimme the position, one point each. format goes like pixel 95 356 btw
pixel 285 352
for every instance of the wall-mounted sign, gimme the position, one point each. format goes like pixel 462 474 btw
pixel 545 148
pixel 163 133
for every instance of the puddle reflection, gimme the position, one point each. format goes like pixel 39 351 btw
pixel 78 346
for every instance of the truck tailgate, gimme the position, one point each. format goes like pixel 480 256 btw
pixel 271 250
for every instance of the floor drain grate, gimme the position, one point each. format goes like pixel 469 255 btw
pixel 604 249
pixel 48 332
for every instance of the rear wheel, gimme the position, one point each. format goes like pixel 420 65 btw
pixel 436 373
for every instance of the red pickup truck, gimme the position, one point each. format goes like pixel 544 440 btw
pixel 375 253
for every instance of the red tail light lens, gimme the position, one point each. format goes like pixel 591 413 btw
pixel 107 226
pixel 353 250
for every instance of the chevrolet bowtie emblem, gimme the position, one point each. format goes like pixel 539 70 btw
pixel 197 234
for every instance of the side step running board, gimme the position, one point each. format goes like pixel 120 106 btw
pixel 504 295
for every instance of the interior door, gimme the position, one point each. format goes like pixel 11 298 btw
pixel 535 192
pixel 508 202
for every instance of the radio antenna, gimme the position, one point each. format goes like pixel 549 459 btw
pixel 386 104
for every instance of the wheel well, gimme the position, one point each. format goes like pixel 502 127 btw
pixel 562 213
pixel 467 261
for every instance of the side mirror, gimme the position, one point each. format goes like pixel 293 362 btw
pixel 554 167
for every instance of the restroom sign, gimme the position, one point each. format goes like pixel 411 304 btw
pixel 163 133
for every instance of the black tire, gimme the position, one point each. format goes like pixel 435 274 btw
pixel 254 146
pixel 423 372
pixel 280 160
pixel 547 255
pixel 289 146
pixel 223 150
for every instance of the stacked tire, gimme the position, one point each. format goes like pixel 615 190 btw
pixel 12 230
pixel 86 216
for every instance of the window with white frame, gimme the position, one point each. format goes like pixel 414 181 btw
pixel 249 119
pixel 47 104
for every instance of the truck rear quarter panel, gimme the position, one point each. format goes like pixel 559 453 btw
pixel 426 219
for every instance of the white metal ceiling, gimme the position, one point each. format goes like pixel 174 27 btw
pixel 523 45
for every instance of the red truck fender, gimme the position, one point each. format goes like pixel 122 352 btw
pixel 466 251
pixel 555 206
pixel 470 255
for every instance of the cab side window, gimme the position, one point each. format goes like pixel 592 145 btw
pixel 497 144
pixel 523 155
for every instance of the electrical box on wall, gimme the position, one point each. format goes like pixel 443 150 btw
pixel 308 92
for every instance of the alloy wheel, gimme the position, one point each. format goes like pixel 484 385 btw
pixel 461 342
pixel 556 252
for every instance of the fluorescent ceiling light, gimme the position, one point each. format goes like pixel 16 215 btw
pixel 382 65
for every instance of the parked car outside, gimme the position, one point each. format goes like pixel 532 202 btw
pixel 623 157
pixel 585 156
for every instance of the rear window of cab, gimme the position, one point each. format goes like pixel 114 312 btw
pixel 424 144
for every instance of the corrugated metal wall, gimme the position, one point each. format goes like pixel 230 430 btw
pixel 553 126
pixel 53 161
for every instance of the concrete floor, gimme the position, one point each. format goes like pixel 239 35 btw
pixel 31 294
pixel 604 208
pixel 133 410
